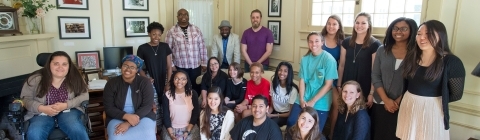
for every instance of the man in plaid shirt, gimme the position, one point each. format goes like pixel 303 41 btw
pixel 188 48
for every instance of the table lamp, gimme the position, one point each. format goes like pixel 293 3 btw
pixel 476 70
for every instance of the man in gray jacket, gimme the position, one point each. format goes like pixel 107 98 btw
pixel 226 45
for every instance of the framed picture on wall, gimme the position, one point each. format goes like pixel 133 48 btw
pixel 136 5
pixel 74 27
pixel 274 8
pixel 275 27
pixel 88 59
pixel 136 26
pixel 72 4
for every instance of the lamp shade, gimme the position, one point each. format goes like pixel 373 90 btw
pixel 476 70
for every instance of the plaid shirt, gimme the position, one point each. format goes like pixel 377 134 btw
pixel 189 50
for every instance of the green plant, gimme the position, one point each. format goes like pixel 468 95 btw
pixel 34 8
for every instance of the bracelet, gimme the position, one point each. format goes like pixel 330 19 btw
pixel 278 115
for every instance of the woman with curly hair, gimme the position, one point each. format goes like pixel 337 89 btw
pixel 353 122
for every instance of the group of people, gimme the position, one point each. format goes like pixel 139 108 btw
pixel 364 86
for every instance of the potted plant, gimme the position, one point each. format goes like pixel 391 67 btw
pixel 33 10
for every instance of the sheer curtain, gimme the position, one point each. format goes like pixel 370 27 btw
pixel 201 15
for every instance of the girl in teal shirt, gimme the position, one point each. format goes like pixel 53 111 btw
pixel 318 69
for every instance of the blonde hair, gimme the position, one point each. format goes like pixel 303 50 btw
pixel 357 105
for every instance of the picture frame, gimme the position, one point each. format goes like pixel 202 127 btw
pixel 274 8
pixel 88 59
pixel 135 5
pixel 72 4
pixel 136 26
pixel 275 26
pixel 74 27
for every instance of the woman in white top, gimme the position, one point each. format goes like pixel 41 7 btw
pixel 283 92
pixel 216 120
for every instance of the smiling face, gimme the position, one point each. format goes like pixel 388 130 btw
pixel 232 72
pixel 180 80
pixel 59 66
pixel 422 39
pixel 256 74
pixel 259 109
pixel 332 26
pixel 350 94
pixel 182 16
pixel 305 122
pixel 155 35
pixel 225 31
pixel 282 73
pixel 129 69
pixel 315 43
pixel 255 19
pixel 213 100
pixel 361 25
pixel 401 31
pixel 214 65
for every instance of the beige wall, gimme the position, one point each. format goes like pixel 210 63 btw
pixel 107 26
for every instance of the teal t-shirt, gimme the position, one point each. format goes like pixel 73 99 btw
pixel 315 70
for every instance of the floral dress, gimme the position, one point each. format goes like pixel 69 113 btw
pixel 216 121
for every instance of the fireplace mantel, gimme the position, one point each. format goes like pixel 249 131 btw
pixel 18 53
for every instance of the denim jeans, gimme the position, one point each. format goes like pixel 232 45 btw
pixel 69 122
pixel 247 67
pixel 295 112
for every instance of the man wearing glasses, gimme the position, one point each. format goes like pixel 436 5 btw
pixel 188 48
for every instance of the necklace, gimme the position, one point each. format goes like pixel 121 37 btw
pixel 355 56
pixel 155 50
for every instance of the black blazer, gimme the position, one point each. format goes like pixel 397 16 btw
pixel 115 93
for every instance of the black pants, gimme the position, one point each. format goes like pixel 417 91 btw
pixel 193 73
pixel 384 123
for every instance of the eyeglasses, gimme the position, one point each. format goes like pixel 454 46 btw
pixel 402 29
pixel 213 64
pixel 129 67
pixel 179 79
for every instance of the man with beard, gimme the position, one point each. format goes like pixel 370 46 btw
pixel 258 126
pixel 257 42
pixel 226 46
pixel 188 48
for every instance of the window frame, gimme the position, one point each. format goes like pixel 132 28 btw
pixel 376 31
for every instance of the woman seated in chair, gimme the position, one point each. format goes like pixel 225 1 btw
pixel 216 120
pixel 255 86
pixel 54 94
pixel 283 92
pixel 180 109
pixel 236 86
pixel 213 77
pixel 128 101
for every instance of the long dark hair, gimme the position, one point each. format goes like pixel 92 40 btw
pixel 207 111
pixel 441 47
pixel 368 38
pixel 208 74
pixel 340 35
pixel 312 34
pixel 73 79
pixel 289 80
pixel 314 133
pixel 188 86
pixel 388 42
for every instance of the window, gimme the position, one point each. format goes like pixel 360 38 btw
pixel 322 9
pixel 383 11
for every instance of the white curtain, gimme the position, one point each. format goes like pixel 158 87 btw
pixel 201 15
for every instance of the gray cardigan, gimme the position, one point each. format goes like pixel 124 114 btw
pixel 384 75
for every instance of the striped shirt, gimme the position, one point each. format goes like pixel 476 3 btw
pixel 188 48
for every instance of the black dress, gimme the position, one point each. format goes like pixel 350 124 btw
pixel 155 65
pixel 358 64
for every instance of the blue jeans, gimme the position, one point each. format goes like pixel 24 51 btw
pixel 247 67
pixel 295 112
pixel 69 122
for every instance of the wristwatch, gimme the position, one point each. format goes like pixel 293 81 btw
pixel 188 132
